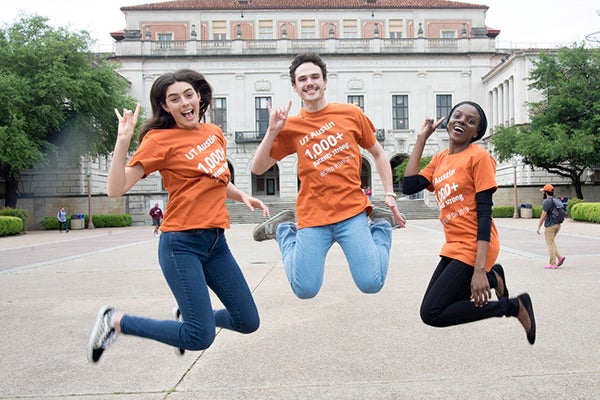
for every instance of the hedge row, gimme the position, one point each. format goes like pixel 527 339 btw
pixel 18 213
pixel 10 225
pixel 588 212
pixel 99 220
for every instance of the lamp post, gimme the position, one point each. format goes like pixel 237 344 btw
pixel 516 212
pixel 88 173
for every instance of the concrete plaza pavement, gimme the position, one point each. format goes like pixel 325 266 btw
pixel 340 345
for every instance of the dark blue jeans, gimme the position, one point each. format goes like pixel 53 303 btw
pixel 192 262
pixel 447 300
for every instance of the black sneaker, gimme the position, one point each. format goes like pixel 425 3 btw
pixel 383 214
pixel 102 335
pixel 267 229
pixel 177 317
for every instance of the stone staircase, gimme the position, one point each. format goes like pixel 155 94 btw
pixel 239 214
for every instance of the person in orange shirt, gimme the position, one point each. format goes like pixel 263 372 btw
pixel 463 179
pixel 331 206
pixel 192 251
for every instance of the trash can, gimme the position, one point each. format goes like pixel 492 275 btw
pixel 526 210
pixel 77 221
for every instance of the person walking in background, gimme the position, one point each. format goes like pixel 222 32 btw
pixel 331 205
pixel 552 223
pixel 157 215
pixel 61 215
pixel 463 178
pixel 193 252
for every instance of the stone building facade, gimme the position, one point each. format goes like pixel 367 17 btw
pixel 399 60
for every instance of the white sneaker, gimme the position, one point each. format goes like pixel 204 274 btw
pixel 103 334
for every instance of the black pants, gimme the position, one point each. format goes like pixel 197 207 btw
pixel 447 300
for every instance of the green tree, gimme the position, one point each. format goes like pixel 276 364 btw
pixel 399 170
pixel 53 93
pixel 562 137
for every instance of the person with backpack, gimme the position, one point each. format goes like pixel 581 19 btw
pixel 553 215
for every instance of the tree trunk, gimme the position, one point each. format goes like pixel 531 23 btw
pixel 10 194
pixel 577 186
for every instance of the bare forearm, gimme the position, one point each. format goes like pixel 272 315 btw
pixel 262 160
pixel 482 252
pixel 116 180
pixel 385 173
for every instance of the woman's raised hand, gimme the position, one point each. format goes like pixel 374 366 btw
pixel 127 122
pixel 429 126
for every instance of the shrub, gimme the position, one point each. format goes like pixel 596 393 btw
pixel 99 220
pixel 571 203
pixel 503 211
pixel 104 221
pixel 589 212
pixel 10 225
pixel 16 212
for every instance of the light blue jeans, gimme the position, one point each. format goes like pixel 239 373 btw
pixel 366 247
pixel 192 262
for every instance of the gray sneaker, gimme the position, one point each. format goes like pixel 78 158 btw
pixel 383 214
pixel 267 229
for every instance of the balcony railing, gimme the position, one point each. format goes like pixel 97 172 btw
pixel 248 136
pixel 257 137
pixel 166 48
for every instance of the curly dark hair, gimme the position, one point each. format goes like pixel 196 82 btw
pixel 304 58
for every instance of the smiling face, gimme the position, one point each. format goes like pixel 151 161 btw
pixel 183 103
pixel 463 124
pixel 309 84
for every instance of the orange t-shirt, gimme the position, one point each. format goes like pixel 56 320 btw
pixel 329 162
pixel 456 178
pixel 193 166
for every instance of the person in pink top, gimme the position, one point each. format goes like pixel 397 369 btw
pixel 192 252
pixel 331 206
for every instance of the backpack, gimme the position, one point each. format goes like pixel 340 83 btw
pixel 557 211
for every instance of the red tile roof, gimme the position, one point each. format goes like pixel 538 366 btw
pixel 300 4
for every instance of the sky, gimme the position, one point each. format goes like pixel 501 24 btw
pixel 533 22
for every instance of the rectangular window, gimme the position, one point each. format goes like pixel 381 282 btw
pixel 219 30
pixel 395 28
pixel 165 37
pixel 443 105
pixel 218 112
pixel 448 34
pixel 261 114
pixel 165 40
pixel 307 29
pixel 400 111
pixel 265 29
pixel 350 29
pixel 358 101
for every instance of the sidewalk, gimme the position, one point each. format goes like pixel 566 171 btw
pixel 341 345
